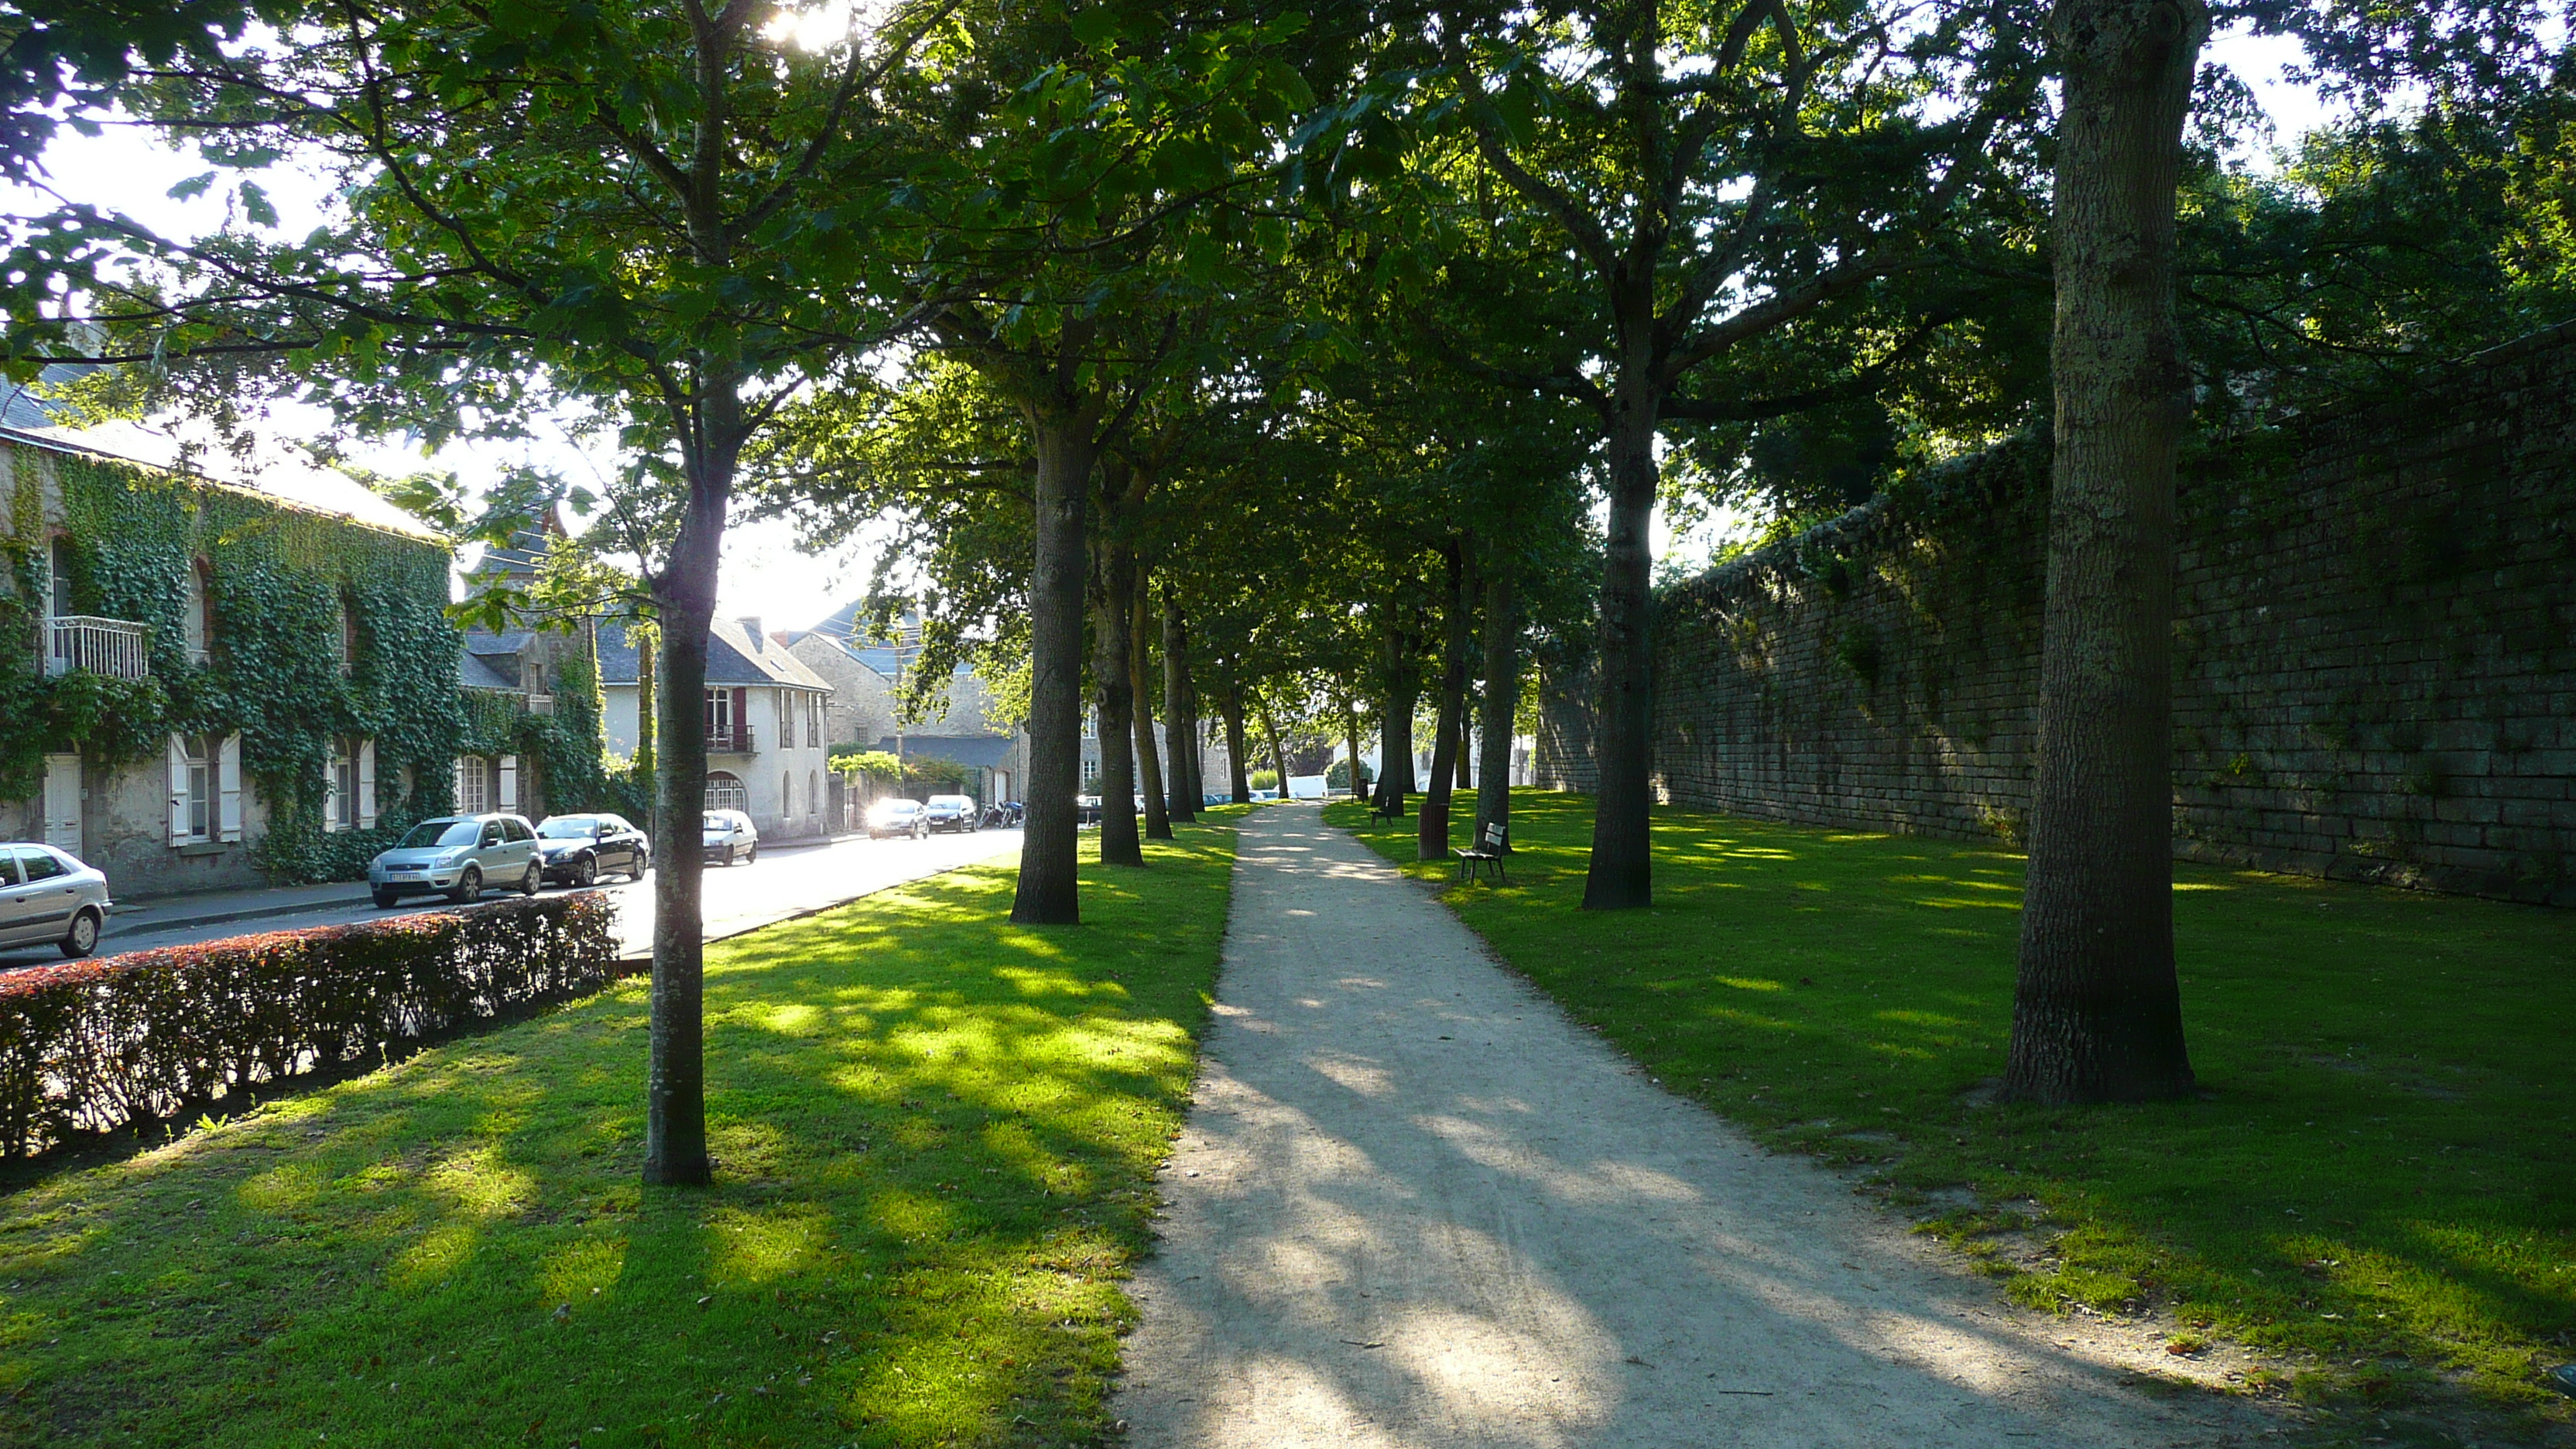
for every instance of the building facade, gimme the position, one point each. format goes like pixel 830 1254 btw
pixel 209 684
pixel 766 749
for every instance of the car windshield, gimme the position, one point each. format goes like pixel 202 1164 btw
pixel 950 802
pixel 441 832
pixel 569 827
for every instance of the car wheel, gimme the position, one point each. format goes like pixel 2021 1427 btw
pixel 536 878
pixel 585 873
pixel 752 856
pixel 642 863
pixel 82 938
pixel 469 886
pixel 385 900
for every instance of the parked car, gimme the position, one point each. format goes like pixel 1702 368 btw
pixel 574 849
pixel 457 856
pixel 950 814
pixel 730 836
pixel 1086 809
pixel 896 817
pixel 50 895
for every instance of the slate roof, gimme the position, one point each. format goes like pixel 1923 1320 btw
pixel 845 629
pixel 985 751
pixel 734 656
pixel 475 672
pixel 284 475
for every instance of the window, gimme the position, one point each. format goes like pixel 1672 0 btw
pixel 58 567
pixel 198 614
pixel 719 714
pixel 201 788
pixel 786 794
pixel 725 791
pixel 1091 772
pixel 813 793
pixel 36 863
pixel 340 806
pixel 348 640
pixel 473 785
pixel 813 721
pixel 786 723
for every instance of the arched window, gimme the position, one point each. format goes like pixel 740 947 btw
pixel 813 793
pixel 725 791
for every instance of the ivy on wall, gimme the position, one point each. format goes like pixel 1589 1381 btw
pixel 279 579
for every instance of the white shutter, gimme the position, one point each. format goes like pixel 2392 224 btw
pixel 229 775
pixel 178 791
pixel 509 783
pixel 366 784
pixel 458 782
pixel 331 792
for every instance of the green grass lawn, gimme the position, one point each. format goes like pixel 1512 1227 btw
pixel 934 1135
pixel 2380 1177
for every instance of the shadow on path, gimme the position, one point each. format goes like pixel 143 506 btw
pixel 1414 1205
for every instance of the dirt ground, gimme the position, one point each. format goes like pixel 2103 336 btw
pixel 1416 1206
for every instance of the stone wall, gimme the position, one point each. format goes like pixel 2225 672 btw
pixel 2375 649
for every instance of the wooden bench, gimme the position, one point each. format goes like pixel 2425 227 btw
pixel 1489 852
pixel 1385 808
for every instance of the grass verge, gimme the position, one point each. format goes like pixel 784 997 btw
pixel 2376 1180
pixel 934 1132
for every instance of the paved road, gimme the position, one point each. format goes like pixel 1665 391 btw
pixel 785 881
pixel 1414 1205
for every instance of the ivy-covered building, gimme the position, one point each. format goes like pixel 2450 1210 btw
pixel 208 684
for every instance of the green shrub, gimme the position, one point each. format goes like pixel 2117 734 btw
pixel 92 1046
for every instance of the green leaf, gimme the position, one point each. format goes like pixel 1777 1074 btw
pixel 255 205
pixel 1095 26
pixel 192 188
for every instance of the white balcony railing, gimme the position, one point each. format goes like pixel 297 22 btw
pixel 116 648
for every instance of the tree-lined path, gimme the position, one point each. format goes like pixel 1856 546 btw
pixel 1415 1205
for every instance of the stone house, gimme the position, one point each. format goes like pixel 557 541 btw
pixel 766 751
pixel 212 682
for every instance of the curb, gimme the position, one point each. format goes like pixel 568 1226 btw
pixel 123 924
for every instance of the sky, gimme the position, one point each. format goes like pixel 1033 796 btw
pixel 765 574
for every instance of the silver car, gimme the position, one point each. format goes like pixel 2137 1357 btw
pixel 458 856
pixel 47 895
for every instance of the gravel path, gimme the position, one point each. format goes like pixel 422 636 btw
pixel 1414 1205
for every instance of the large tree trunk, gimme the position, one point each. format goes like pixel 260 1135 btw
pixel 2097 1013
pixel 1431 835
pixel 1047 894
pixel 1501 700
pixel 675 1086
pixel 1351 741
pixel 1180 715
pixel 1238 779
pixel 1149 765
pixel 1621 877
pixel 647 753
pixel 1114 700
pixel 1395 724
pixel 1278 755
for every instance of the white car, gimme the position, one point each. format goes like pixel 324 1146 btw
pixel 49 896
pixel 729 836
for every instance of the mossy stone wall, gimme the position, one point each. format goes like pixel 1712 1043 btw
pixel 2375 649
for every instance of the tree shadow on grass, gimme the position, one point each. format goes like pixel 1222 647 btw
pixel 2375 1169
pixel 933 1131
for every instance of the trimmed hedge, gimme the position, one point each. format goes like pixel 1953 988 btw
pixel 91 1046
